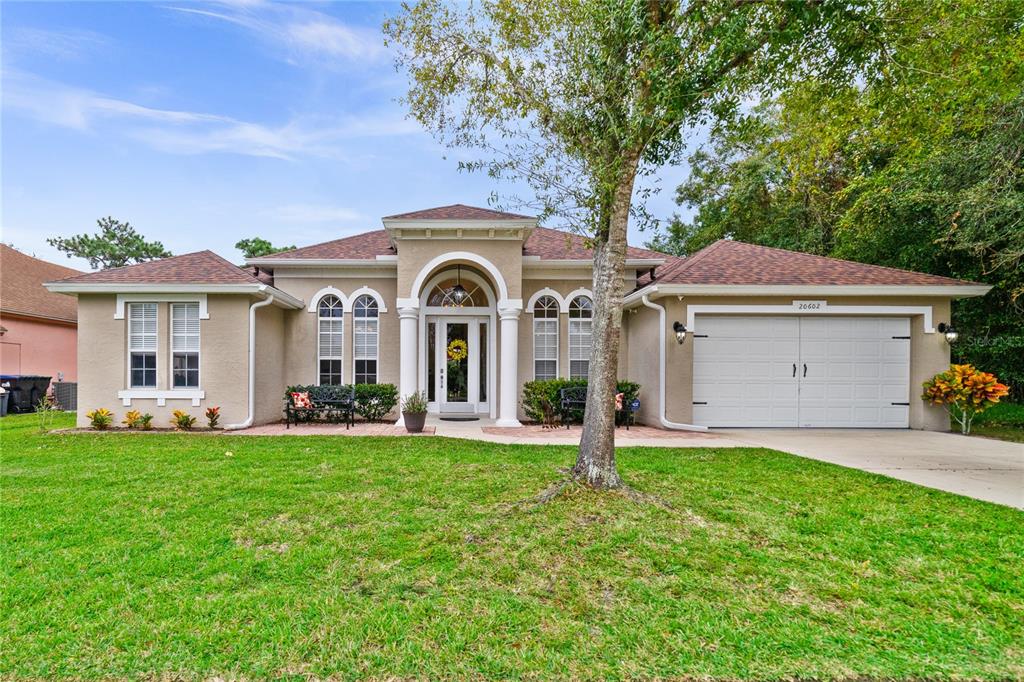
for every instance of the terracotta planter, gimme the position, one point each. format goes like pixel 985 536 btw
pixel 414 421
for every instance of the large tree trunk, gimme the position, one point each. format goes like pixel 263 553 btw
pixel 595 463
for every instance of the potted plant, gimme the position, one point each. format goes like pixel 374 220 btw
pixel 414 411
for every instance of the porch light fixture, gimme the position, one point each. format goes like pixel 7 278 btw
pixel 950 331
pixel 459 292
pixel 680 331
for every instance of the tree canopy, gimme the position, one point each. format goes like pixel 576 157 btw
pixel 257 246
pixel 115 245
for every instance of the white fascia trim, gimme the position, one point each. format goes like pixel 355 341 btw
pixel 122 299
pixel 378 262
pixel 903 290
pixel 537 263
pixel 925 311
pixel 286 300
pixel 160 396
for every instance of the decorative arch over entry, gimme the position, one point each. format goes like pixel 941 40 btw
pixel 476 259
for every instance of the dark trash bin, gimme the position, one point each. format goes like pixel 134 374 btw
pixel 24 391
pixel 4 395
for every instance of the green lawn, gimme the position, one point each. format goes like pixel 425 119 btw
pixel 158 555
pixel 1004 421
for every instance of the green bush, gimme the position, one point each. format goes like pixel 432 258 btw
pixel 373 401
pixel 535 393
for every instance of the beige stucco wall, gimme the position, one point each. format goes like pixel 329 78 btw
pixel 270 355
pixel 929 353
pixel 506 255
pixel 103 360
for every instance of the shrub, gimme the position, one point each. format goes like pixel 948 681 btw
pixel 540 397
pixel 146 422
pixel 964 392
pixel 212 416
pixel 375 401
pixel 100 419
pixel 182 420
pixel 415 403
pixel 132 419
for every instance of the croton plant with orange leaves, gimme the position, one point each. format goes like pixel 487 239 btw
pixel 965 392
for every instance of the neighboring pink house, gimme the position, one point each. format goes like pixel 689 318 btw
pixel 38 329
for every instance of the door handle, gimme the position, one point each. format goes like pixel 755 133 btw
pixel 794 369
pixel 805 369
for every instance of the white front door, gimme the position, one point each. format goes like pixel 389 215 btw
pixel 461 348
pixel 801 371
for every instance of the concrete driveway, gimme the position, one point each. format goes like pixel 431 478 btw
pixel 981 468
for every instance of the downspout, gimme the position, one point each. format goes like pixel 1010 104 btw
pixel 661 370
pixel 252 365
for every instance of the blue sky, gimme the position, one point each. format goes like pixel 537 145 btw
pixel 204 123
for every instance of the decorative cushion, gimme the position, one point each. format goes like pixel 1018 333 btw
pixel 619 397
pixel 301 399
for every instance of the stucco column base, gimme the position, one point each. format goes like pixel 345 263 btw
pixel 409 320
pixel 509 372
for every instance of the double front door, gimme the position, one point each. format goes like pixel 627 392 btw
pixel 458 364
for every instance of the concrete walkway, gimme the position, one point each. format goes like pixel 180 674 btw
pixel 982 468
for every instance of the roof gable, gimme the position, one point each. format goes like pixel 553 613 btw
pixel 458 212
pixel 738 263
pixel 22 291
pixel 200 267
pixel 365 246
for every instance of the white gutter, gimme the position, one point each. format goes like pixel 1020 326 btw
pixel 661 372
pixel 902 290
pixel 252 365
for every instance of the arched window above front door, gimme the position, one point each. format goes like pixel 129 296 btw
pixel 441 294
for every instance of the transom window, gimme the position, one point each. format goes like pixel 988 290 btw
pixel 185 345
pixel 330 341
pixel 142 345
pixel 581 322
pixel 365 320
pixel 441 295
pixel 545 338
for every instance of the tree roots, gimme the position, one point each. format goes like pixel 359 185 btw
pixel 572 484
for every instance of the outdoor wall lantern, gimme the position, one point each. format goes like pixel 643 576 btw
pixel 950 331
pixel 459 292
pixel 680 331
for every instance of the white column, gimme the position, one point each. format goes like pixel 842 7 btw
pixel 509 372
pixel 409 320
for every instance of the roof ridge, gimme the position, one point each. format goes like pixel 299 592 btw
pixel 688 261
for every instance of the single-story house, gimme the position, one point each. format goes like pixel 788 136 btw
pixel 734 335
pixel 37 327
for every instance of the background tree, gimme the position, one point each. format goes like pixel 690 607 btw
pixel 579 98
pixel 918 163
pixel 115 245
pixel 256 247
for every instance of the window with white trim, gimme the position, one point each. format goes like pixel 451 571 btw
pixel 365 321
pixel 581 323
pixel 185 345
pixel 142 345
pixel 330 343
pixel 545 338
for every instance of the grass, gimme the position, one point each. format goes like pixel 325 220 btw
pixel 193 556
pixel 1004 421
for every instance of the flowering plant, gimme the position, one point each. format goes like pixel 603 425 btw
pixel 964 392
pixel 132 419
pixel 458 350
pixel 212 416
pixel 100 419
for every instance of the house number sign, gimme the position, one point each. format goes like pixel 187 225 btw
pixel 810 306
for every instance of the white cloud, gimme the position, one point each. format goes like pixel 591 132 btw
pixel 64 45
pixel 188 132
pixel 300 33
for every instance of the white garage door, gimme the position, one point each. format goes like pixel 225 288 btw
pixel 801 371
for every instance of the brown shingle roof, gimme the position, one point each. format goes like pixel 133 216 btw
pixel 732 262
pixel 557 245
pixel 22 291
pixel 458 212
pixel 367 246
pixel 201 267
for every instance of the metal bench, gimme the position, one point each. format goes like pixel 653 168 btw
pixel 575 398
pixel 345 408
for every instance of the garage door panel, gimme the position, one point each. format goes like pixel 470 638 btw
pixel 855 370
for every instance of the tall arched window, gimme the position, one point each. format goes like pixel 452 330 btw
pixel 330 343
pixel 545 338
pixel 365 316
pixel 581 321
